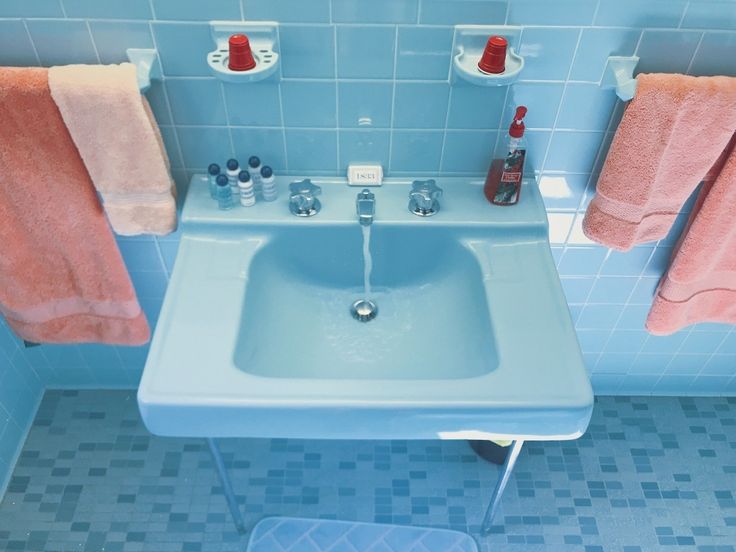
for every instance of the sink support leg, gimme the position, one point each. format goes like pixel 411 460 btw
pixel 227 486
pixel 503 479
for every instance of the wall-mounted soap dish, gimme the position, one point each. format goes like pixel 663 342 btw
pixel 468 45
pixel 264 42
pixel 619 74
pixel 146 66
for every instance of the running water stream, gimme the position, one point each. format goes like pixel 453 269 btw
pixel 367 261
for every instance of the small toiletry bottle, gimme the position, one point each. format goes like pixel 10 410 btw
pixel 503 183
pixel 224 193
pixel 247 193
pixel 233 169
pixel 254 168
pixel 268 184
pixel 212 172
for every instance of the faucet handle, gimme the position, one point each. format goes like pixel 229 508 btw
pixel 302 198
pixel 424 197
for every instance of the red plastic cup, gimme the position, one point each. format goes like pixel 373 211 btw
pixel 240 57
pixel 493 59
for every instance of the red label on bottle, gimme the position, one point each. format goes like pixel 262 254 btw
pixel 512 177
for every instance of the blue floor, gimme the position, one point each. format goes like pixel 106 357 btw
pixel 650 474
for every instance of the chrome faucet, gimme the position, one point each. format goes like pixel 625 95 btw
pixel 424 198
pixel 303 200
pixel 365 206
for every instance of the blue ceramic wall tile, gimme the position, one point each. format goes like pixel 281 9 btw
pixel 468 151
pixel 74 35
pixel 196 10
pixel 544 12
pixel 547 52
pixel 611 289
pixel 581 261
pixel 664 343
pixel 171 143
pixel 541 98
pixel 16 48
pixel 633 317
pixel 592 341
pixel 35 8
pixel 183 48
pixel 459 12
pixel 309 103
pixel 196 101
pixel 626 341
pixel 710 14
pixel 649 364
pixel 475 106
pixel 201 146
pixel 666 51
pixel 365 104
pixel 644 291
pixel 577 289
pixel 130 9
pixel 112 38
pixel 374 11
pixel 537 142
pixel 365 52
pixel 586 107
pixel 729 345
pixel 423 53
pixel 685 364
pixel 156 96
pixel 140 255
pixel 659 261
pixel 364 146
pixel 312 150
pixel 562 190
pixel 266 143
pixel 634 13
pixel 598 317
pixel 595 47
pixel 703 342
pixel 719 365
pixel 420 105
pixel 573 151
pixel 614 363
pixel 418 151
pixel 288 11
pixel 627 263
pixel 307 51
pixel 712 58
pixel 254 104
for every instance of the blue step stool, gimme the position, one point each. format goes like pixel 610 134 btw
pixel 318 535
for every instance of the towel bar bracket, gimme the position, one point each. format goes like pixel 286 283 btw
pixel 146 64
pixel 619 74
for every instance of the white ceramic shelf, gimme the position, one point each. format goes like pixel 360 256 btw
pixel 264 42
pixel 619 74
pixel 468 45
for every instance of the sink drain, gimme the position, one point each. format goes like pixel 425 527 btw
pixel 364 310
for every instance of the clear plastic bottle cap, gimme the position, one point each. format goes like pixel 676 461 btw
pixel 254 161
pixel 213 169
pixel 232 164
pixel 266 171
pixel 222 180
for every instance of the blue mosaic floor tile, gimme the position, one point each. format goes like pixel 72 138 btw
pixel 314 535
pixel 650 474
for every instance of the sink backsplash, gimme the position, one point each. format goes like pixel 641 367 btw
pixel 368 80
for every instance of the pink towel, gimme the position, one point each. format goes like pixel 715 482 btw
pixel 120 143
pixel 62 279
pixel 676 132
pixel 672 133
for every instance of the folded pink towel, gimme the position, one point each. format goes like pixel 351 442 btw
pixel 700 284
pixel 672 133
pixel 120 143
pixel 62 279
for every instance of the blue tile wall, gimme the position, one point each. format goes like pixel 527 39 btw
pixel 370 81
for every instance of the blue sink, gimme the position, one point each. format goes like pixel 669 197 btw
pixel 473 338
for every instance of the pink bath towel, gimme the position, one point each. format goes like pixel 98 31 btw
pixel 62 279
pixel 120 143
pixel 677 132
pixel 700 284
pixel 672 133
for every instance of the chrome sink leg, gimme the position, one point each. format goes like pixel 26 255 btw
pixel 227 487
pixel 503 479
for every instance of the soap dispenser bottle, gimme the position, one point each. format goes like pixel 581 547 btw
pixel 503 183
